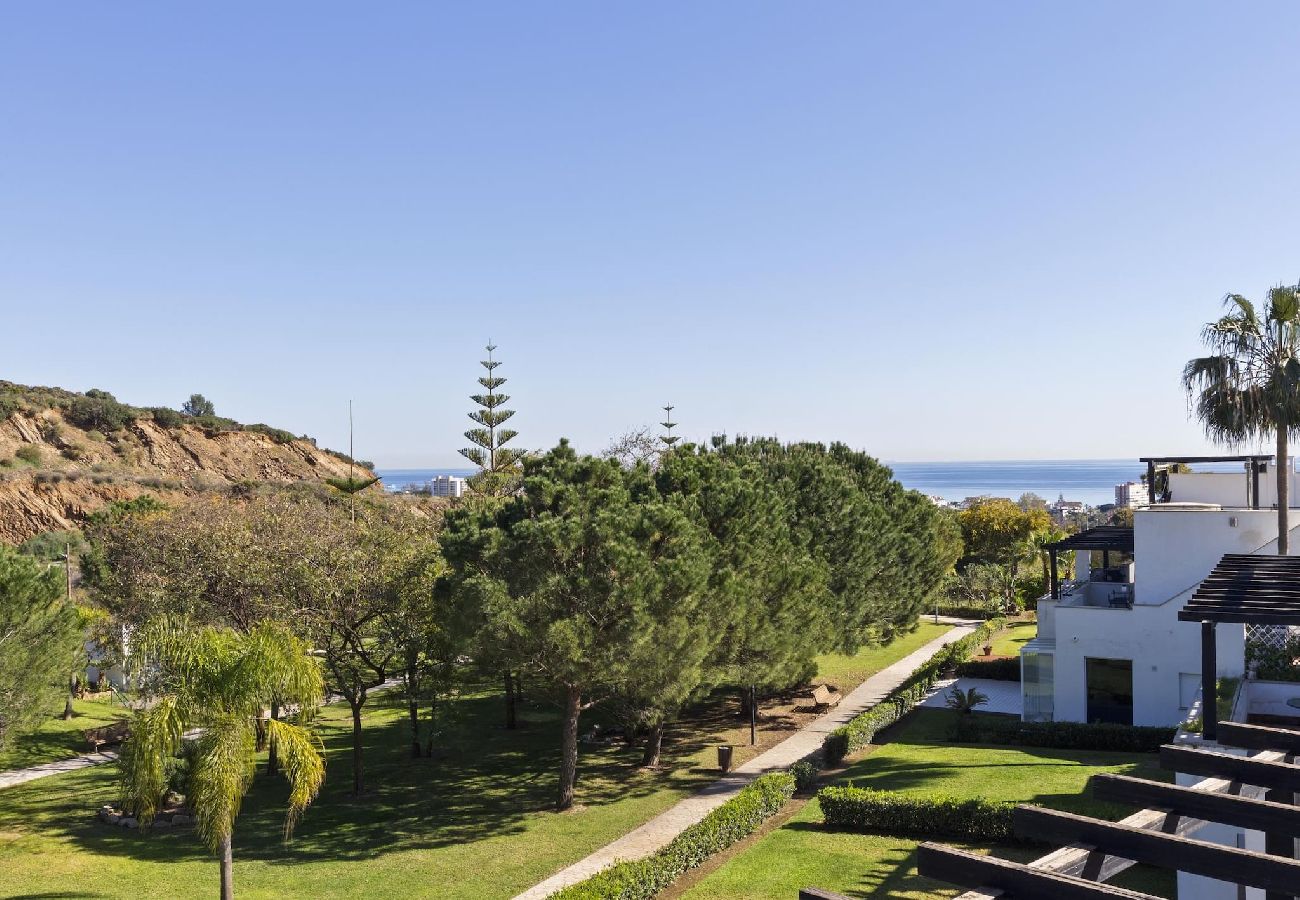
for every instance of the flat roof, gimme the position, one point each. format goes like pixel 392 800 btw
pixel 1164 460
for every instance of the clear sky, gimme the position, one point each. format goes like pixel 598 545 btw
pixel 932 230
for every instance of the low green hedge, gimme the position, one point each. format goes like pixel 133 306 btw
pixel 986 729
pixel 859 731
pixel 1000 669
pixel 885 812
pixel 737 818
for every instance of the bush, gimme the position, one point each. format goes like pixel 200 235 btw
pixel 1003 669
pixel 73 452
pixel 165 417
pixel 29 453
pixel 1060 735
pixel 1275 663
pixel 99 413
pixel 859 731
pixel 93 435
pixel 737 818
pixel 805 776
pixel 851 808
pixel 279 435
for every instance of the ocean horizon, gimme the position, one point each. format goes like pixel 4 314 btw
pixel 1089 480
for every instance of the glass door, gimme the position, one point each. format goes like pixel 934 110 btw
pixel 1110 690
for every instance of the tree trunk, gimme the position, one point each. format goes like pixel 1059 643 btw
pixel 68 711
pixel 433 706
pixel 1283 483
pixel 511 720
pixel 227 870
pixel 273 755
pixel 357 782
pixel 413 709
pixel 569 764
pixel 653 743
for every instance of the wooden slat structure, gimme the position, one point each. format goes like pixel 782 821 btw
pixel 1161 834
pixel 1106 538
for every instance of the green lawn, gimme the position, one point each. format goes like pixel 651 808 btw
pixel 58 739
pixel 1009 640
pixel 472 823
pixel 918 760
pixel 847 672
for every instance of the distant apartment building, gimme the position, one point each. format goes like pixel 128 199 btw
pixel 1131 494
pixel 1062 509
pixel 446 486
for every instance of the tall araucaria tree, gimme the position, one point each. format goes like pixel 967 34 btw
pixel 498 463
pixel 1249 385
pixel 576 576
pixel 220 681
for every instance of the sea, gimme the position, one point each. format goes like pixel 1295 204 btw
pixel 1090 480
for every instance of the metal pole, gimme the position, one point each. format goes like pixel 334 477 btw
pixel 1209 683
pixel 1056 585
pixel 1151 483
pixel 753 715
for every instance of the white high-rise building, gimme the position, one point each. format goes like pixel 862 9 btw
pixel 446 486
pixel 1131 494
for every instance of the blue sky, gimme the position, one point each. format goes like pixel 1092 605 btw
pixel 935 231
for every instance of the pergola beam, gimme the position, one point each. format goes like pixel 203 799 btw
pixel 1018 880
pixel 1168 851
pixel 1242 812
pixel 1249 769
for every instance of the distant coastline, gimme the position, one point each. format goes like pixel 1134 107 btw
pixel 1090 480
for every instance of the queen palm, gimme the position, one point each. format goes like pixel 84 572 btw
pixel 219 681
pixel 1249 387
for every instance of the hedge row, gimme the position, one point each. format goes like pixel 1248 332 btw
pixel 885 812
pixel 968 612
pixel 1061 735
pixel 737 818
pixel 1000 669
pixel 859 731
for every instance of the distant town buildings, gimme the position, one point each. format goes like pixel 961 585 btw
pixel 1062 509
pixel 446 486
pixel 1131 494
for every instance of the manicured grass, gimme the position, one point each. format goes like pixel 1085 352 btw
pixel 847 672
pixel 1009 640
pixel 58 739
pixel 475 822
pixel 801 853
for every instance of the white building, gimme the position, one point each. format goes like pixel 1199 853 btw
pixel 1131 494
pixel 446 486
pixel 1109 645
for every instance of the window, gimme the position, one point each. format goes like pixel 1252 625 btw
pixel 1037 685
pixel 1110 690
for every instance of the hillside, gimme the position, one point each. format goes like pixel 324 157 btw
pixel 64 455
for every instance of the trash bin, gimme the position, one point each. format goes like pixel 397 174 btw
pixel 724 757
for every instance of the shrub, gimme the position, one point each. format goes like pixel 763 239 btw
pixel 93 435
pixel 165 417
pixel 279 435
pixel 1060 735
pixel 1274 663
pixel 29 453
pixel 737 818
pixel 805 776
pixel 850 808
pixel 859 731
pixel 73 452
pixel 99 413
pixel 1003 669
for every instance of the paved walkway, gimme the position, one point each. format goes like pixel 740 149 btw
pixel 648 838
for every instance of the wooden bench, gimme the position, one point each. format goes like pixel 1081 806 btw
pixel 115 733
pixel 820 697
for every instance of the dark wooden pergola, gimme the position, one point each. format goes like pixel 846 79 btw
pixel 1255 464
pixel 1244 588
pixel 1255 792
pixel 1106 538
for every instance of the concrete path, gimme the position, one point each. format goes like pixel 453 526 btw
pixel 648 838
pixel 1004 696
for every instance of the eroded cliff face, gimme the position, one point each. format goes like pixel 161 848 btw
pixel 70 473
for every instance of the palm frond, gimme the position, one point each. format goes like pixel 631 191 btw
pixel 155 736
pixel 302 761
pixel 222 772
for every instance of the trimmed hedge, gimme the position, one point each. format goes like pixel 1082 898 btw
pixel 737 818
pixel 859 731
pixel 885 812
pixel 1061 735
pixel 1000 669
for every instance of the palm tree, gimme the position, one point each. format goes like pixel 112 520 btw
pixel 220 681
pixel 965 701
pixel 1249 387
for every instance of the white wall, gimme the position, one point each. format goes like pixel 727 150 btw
pixel 1161 648
pixel 1174 549
pixel 1227 489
